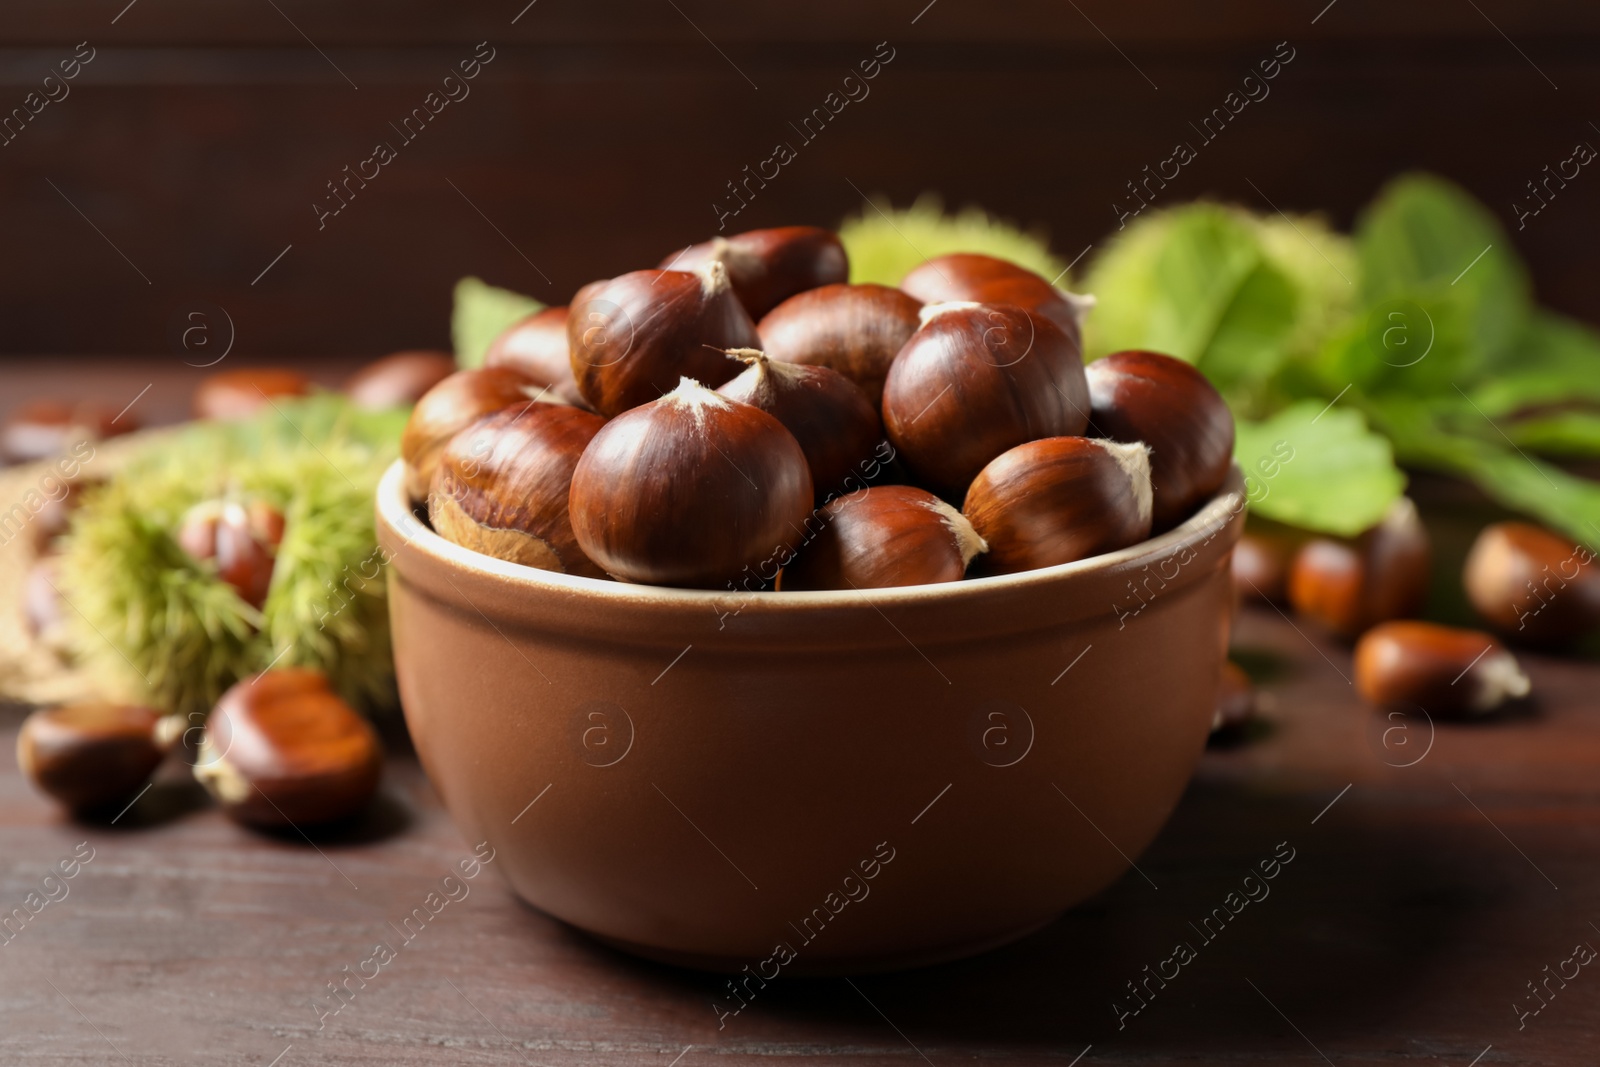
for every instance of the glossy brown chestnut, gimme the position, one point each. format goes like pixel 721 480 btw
pixel 398 380
pixel 537 346
pixel 241 539
pixel 1351 585
pixel 989 280
pixel 689 489
pixel 1060 499
pixel 631 338
pixel 1170 406
pixel 856 330
pixel 90 756
pixel 888 535
pixel 281 749
pixel 1440 669
pixel 829 415
pixel 238 394
pixel 42 429
pixel 1236 700
pixel 1533 585
pixel 450 407
pixel 766 267
pixel 975 380
pixel 502 484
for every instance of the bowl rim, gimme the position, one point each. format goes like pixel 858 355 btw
pixel 394 512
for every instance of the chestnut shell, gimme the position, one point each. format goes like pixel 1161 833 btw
pixel 991 280
pixel 632 337
pixel 837 427
pixel 689 490
pixel 1170 406
pixel 768 266
pixel 537 346
pixel 502 486
pixel 974 381
pixel 889 535
pixel 1532 585
pixel 856 330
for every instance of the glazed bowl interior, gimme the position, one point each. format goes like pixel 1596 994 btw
pixel 704 776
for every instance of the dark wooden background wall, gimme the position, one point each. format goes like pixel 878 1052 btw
pixel 198 138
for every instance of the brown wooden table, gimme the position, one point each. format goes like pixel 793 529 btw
pixel 1435 871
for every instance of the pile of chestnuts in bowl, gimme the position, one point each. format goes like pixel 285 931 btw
pixel 742 418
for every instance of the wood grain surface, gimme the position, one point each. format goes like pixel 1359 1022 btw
pixel 1419 901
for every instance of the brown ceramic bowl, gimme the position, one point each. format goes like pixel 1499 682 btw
pixel 811 782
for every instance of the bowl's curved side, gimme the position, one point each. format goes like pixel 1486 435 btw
pixel 862 780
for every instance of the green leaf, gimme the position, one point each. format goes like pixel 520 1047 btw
pixel 1424 235
pixel 1318 467
pixel 1574 434
pixel 1542 491
pixel 1237 295
pixel 1554 361
pixel 884 244
pixel 481 313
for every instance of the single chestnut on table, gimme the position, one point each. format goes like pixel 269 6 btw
pixel 1352 585
pixel 238 394
pixel 767 267
pixel 502 485
pixel 856 330
pixel 537 346
pixel 1441 669
pixel 976 380
pixel 1170 406
pixel 690 489
pixel 1532 585
pixel 828 414
pixel 90 756
pixel 888 535
pixel 991 280
pixel 241 539
pixel 452 406
pixel 398 380
pixel 281 749
pixel 632 337
pixel 1060 499
pixel 44 429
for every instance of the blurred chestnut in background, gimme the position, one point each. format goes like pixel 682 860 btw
pixel 502 484
pixel 1351 585
pixel 1170 406
pixel 452 406
pixel 889 535
pixel 989 280
pixel 767 267
pixel 856 330
pixel 1260 564
pixel 42 429
pixel 238 394
pixel 632 337
pixel 829 415
pixel 398 380
pixel 1060 499
pixel 690 489
pixel 1440 669
pixel 281 749
pixel 241 539
pixel 1533 585
pixel 90 756
pixel 537 346
pixel 975 380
